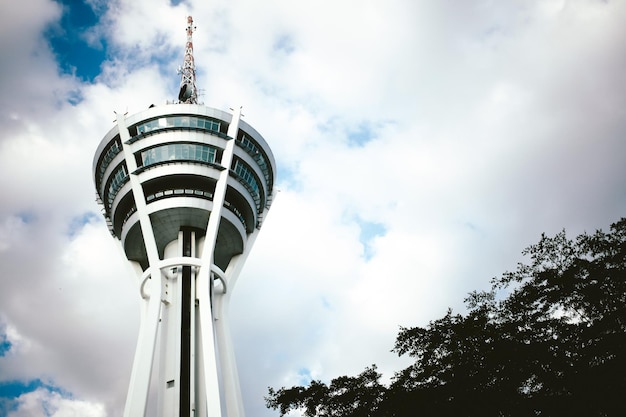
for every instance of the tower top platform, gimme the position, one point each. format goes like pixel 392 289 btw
pixel 176 150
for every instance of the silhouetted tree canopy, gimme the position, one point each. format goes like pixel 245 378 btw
pixel 555 345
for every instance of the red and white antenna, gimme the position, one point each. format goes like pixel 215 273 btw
pixel 188 93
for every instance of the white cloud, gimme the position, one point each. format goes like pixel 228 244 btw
pixel 488 124
pixel 45 403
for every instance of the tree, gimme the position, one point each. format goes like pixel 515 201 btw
pixel 358 396
pixel 554 345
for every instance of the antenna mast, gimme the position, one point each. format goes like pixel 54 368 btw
pixel 188 93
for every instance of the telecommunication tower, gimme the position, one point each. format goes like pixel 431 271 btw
pixel 185 189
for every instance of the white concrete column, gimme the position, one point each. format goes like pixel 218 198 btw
pixel 137 397
pixel 226 351
pixel 204 281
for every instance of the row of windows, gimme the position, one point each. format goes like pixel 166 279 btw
pixel 178 192
pixel 119 178
pixel 179 151
pixel 109 155
pixel 192 193
pixel 257 155
pixel 179 121
pixel 248 177
pixel 132 211
pixel 189 192
pixel 237 213
pixel 193 152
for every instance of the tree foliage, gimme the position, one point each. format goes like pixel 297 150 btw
pixel 345 396
pixel 555 345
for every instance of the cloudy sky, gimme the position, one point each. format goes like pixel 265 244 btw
pixel 421 145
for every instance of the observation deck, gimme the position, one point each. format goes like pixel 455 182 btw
pixel 175 151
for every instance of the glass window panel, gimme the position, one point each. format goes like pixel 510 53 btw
pixel 185 151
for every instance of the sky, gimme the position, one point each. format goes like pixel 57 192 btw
pixel 421 146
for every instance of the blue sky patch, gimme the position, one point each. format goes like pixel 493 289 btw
pixel 5 345
pixel 11 390
pixel 304 376
pixel 284 44
pixel 326 303
pixel 369 230
pixel 67 40
pixel 363 134
pixel 289 176
pixel 78 222
pixel 26 217
pixel 168 60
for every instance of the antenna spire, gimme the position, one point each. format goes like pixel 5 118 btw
pixel 188 93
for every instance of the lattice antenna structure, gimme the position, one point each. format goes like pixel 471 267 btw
pixel 188 92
